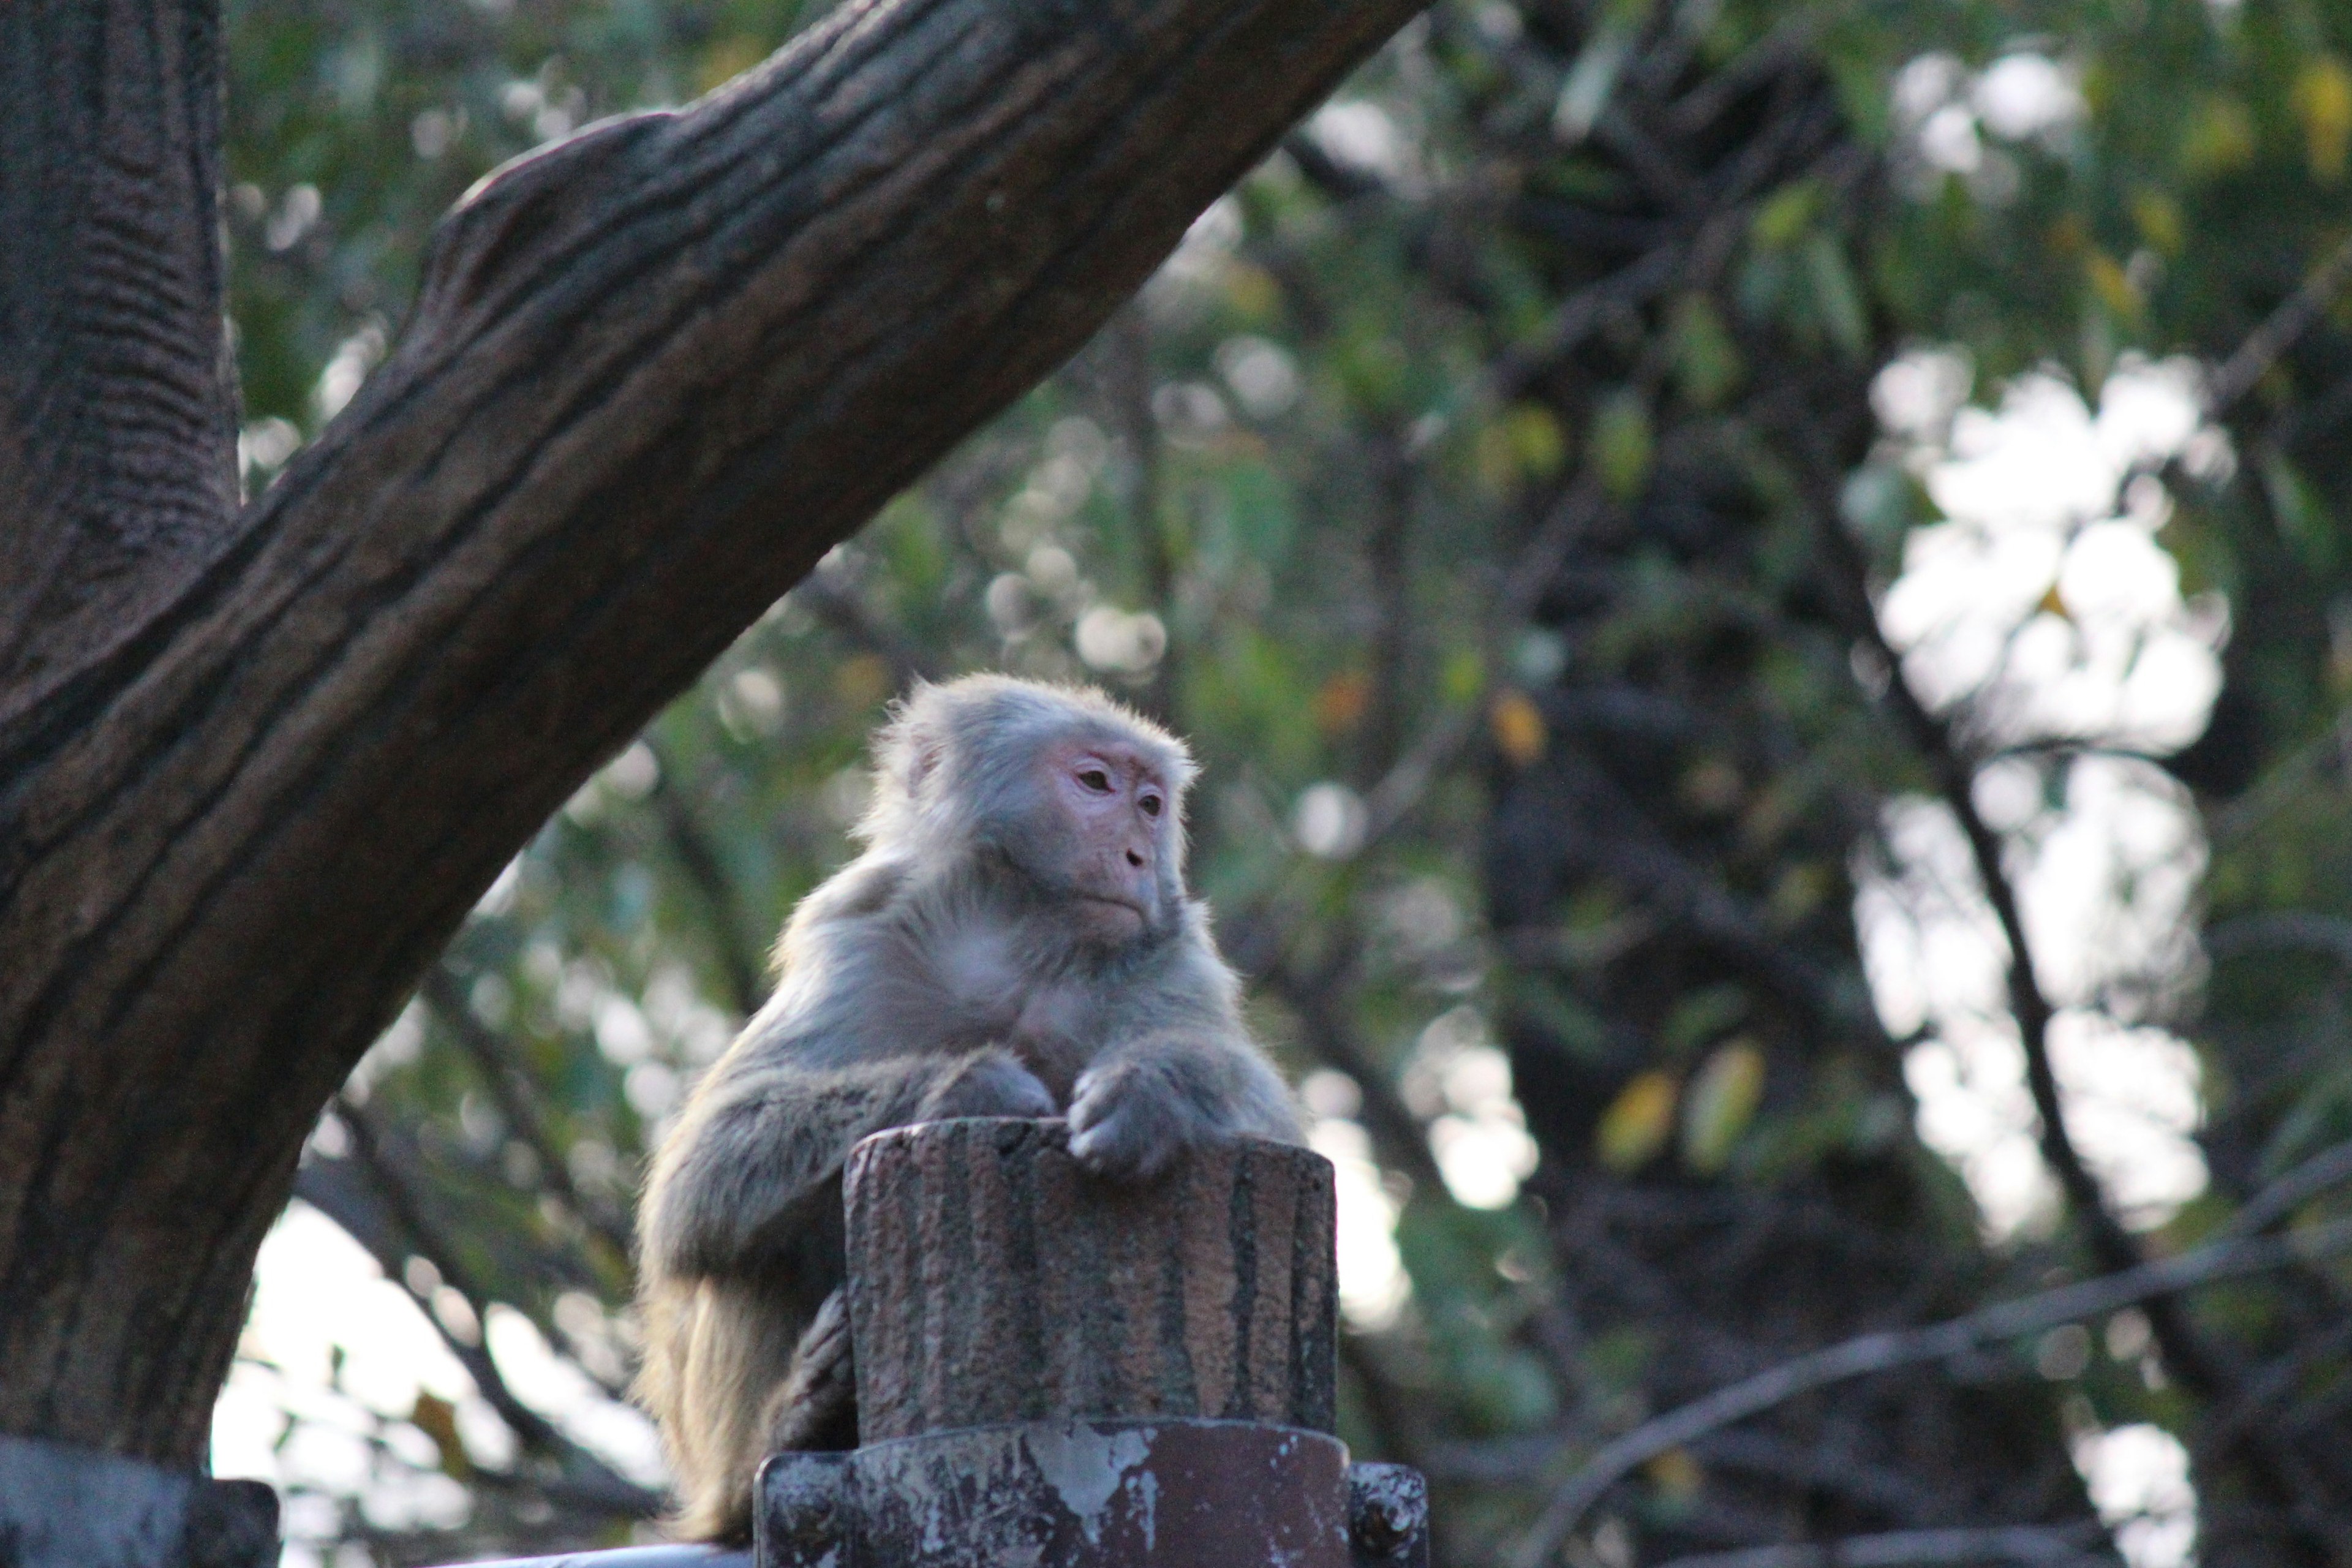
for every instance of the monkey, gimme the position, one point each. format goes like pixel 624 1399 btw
pixel 1016 938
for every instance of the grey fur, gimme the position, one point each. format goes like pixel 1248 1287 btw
pixel 946 972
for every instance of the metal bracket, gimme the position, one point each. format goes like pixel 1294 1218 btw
pixel 65 1505
pixel 1388 1516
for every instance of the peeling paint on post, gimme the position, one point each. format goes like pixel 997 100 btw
pixel 1104 1494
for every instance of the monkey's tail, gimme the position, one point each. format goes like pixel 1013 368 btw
pixel 738 1383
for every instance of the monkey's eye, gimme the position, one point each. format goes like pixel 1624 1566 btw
pixel 1095 779
pixel 1151 804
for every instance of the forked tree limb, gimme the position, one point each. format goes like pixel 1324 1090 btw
pixel 252 782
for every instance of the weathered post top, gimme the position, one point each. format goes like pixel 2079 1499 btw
pixel 992 1279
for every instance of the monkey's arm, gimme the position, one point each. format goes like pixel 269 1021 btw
pixel 854 1040
pixel 1177 1068
pixel 755 1156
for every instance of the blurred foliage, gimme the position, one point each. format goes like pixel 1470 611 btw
pixel 1490 487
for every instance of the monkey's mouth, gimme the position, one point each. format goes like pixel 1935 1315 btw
pixel 1125 906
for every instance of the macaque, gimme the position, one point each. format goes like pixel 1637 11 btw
pixel 1015 940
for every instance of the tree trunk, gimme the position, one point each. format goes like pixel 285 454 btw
pixel 255 767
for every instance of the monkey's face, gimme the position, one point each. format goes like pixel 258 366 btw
pixel 1114 817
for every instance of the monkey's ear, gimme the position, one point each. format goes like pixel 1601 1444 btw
pixel 925 750
pixel 908 750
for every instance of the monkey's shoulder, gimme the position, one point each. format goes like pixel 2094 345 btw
pixel 1194 955
pixel 866 886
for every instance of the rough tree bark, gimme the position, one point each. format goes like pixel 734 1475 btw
pixel 256 765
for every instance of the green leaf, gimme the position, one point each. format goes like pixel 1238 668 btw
pixel 1706 361
pixel 1621 444
pixel 1837 296
pixel 1719 1104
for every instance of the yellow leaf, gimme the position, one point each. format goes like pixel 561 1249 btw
pixel 2110 284
pixel 437 1419
pixel 2053 603
pixel 2322 98
pixel 2220 138
pixel 862 680
pixel 1518 726
pixel 1676 1474
pixel 1252 292
pixel 1464 672
pixel 1526 441
pixel 1798 890
pixel 1783 217
pixel 1722 1101
pixel 1707 360
pixel 1637 1122
pixel 2158 217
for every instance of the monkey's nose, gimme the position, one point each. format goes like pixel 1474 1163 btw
pixel 1134 859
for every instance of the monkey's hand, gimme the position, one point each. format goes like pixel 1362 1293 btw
pixel 1131 1118
pixel 1142 1105
pixel 990 1083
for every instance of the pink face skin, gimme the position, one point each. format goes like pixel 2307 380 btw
pixel 1118 808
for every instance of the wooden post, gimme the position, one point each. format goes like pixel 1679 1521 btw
pixel 1071 1373
pixel 992 1279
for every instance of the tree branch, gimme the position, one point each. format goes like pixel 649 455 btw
pixel 1891 1349
pixel 504 1078
pixel 2052 1546
pixel 398 1226
pixel 1947 764
pixel 2277 333
pixel 746 974
pixel 837 605
pixel 117 418
pixel 656 371
pixel 2277 1473
pixel 1396 1131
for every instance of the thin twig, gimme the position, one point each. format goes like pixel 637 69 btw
pixel 1393 800
pixel 2276 1473
pixel 2050 1546
pixel 2277 333
pixel 1395 483
pixel 1127 387
pixel 422 1237
pixel 2330 1168
pixel 1889 1349
pixel 509 1087
pixel 835 605
pixel 747 975
pixel 2304 929
pixel 1579 316
pixel 2113 1247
